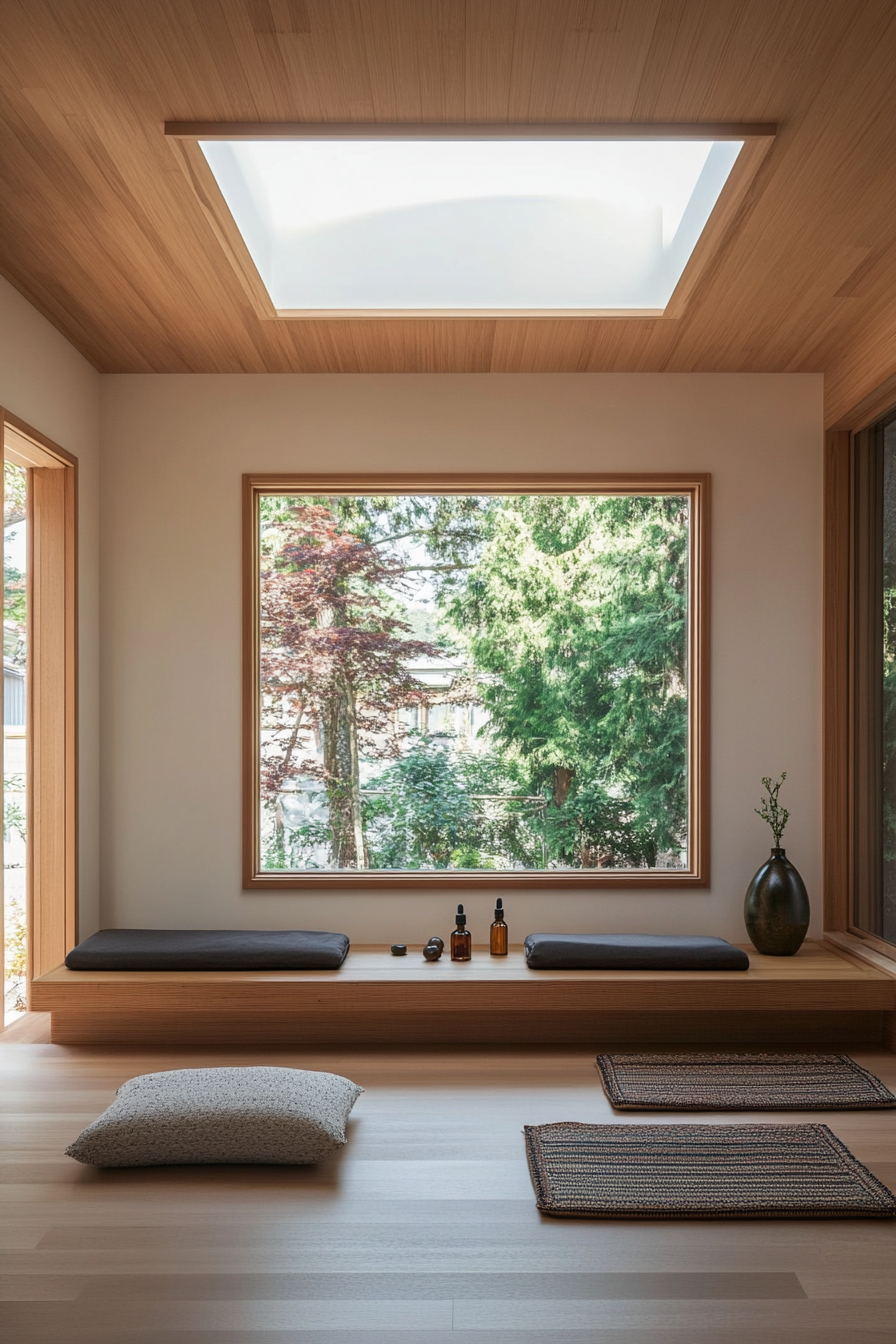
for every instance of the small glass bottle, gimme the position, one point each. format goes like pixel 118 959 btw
pixel 461 941
pixel 497 934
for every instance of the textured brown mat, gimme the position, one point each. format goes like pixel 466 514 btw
pixel 700 1171
pixel 637 1081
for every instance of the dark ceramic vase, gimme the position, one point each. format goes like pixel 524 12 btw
pixel 776 910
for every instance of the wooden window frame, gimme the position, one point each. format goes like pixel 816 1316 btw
pixel 850 832
pixel 52 727
pixel 695 485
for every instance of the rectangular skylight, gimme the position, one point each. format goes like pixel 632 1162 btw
pixel 464 225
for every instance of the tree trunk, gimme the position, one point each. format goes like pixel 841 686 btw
pixel 563 778
pixel 286 763
pixel 343 782
pixel 347 848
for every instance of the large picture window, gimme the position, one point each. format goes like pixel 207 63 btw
pixel 475 681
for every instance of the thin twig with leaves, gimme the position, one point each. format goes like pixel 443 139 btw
pixel 770 811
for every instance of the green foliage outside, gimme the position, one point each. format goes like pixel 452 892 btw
pixel 13 811
pixel 887 927
pixel 575 621
pixel 15 485
pixel 15 923
pixel 435 807
pixel 568 616
pixel 14 594
pixel 15 959
pixel 294 848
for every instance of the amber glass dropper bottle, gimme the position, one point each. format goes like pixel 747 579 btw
pixel 497 934
pixel 461 940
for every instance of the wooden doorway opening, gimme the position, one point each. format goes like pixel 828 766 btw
pixel 49 636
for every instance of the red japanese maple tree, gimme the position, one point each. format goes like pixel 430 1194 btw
pixel 333 665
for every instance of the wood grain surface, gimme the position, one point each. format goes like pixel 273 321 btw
pixel 104 233
pixel 423 1228
pixel 376 998
pixel 836 692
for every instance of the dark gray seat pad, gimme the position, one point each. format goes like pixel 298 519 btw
pixel 209 950
pixel 631 952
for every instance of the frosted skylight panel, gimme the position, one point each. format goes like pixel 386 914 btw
pixel 461 225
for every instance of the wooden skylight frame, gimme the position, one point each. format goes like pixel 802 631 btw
pixel 184 138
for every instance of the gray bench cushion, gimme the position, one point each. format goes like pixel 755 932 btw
pixel 631 952
pixel 209 950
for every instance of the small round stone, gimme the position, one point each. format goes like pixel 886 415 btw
pixel 399 949
pixel 432 951
pixel 438 942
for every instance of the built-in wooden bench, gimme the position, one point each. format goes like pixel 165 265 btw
pixel 820 995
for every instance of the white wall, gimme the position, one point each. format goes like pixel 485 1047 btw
pixel 46 383
pixel 174 448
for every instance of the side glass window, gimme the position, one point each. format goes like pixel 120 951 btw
pixel 886 922
pixel 873 690
pixel 15 727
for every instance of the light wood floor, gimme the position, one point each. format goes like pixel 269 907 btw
pixel 423 1227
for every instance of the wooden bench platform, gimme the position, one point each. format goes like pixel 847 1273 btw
pixel 820 995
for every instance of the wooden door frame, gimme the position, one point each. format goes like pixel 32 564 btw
pixel 52 713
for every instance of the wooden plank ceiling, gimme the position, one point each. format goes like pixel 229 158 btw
pixel 102 232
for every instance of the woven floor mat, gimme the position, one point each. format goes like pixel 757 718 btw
pixel 700 1171
pixel 738 1082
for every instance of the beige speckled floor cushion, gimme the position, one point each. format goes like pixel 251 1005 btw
pixel 286 1116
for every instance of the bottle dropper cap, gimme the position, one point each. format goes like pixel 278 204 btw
pixel 499 908
pixel 461 917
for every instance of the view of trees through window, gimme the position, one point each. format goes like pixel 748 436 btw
pixel 485 682
pixel 15 660
pixel 883 922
